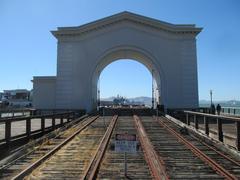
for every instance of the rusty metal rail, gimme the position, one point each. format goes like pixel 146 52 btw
pixel 218 152
pixel 156 164
pixel 37 163
pixel 93 166
pixel 214 165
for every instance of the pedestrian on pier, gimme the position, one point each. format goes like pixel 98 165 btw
pixel 213 109
pixel 219 109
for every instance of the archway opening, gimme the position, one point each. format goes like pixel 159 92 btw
pixel 127 82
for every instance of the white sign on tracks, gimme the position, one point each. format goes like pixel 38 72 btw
pixel 125 143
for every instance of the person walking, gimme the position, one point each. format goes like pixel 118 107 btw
pixel 213 109
pixel 219 109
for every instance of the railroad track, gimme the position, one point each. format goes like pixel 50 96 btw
pixel 112 166
pixel 185 157
pixel 86 151
pixel 26 160
pixel 78 158
pixel 227 165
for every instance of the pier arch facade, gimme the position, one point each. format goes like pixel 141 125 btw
pixel 167 50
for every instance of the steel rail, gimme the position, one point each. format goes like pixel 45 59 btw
pixel 155 163
pixel 37 163
pixel 73 124
pixel 91 171
pixel 215 150
pixel 218 152
pixel 214 165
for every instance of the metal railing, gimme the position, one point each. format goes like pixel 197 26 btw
pixel 219 119
pixel 231 111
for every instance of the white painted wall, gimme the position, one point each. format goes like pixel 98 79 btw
pixel 44 90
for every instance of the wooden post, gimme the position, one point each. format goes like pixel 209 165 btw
pixel 28 127
pixel 238 135
pixel 234 111
pixel 61 120
pixel 187 119
pixel 8 131
pixel 31 112
pixel 206 123
pixel 43 124
pixel 68 118
pixel 228 110
pixel 220 133
pixel 195 121
pixel 53 123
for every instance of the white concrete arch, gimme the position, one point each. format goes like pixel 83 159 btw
pixel 133 53
pixel 83 52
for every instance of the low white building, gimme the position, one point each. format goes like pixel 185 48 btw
pixel 17 97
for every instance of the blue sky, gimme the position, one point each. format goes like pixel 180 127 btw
pixel 28 49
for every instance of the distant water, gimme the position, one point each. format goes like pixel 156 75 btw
pixel 226 108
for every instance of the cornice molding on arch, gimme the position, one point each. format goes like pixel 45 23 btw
pixel 129 17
